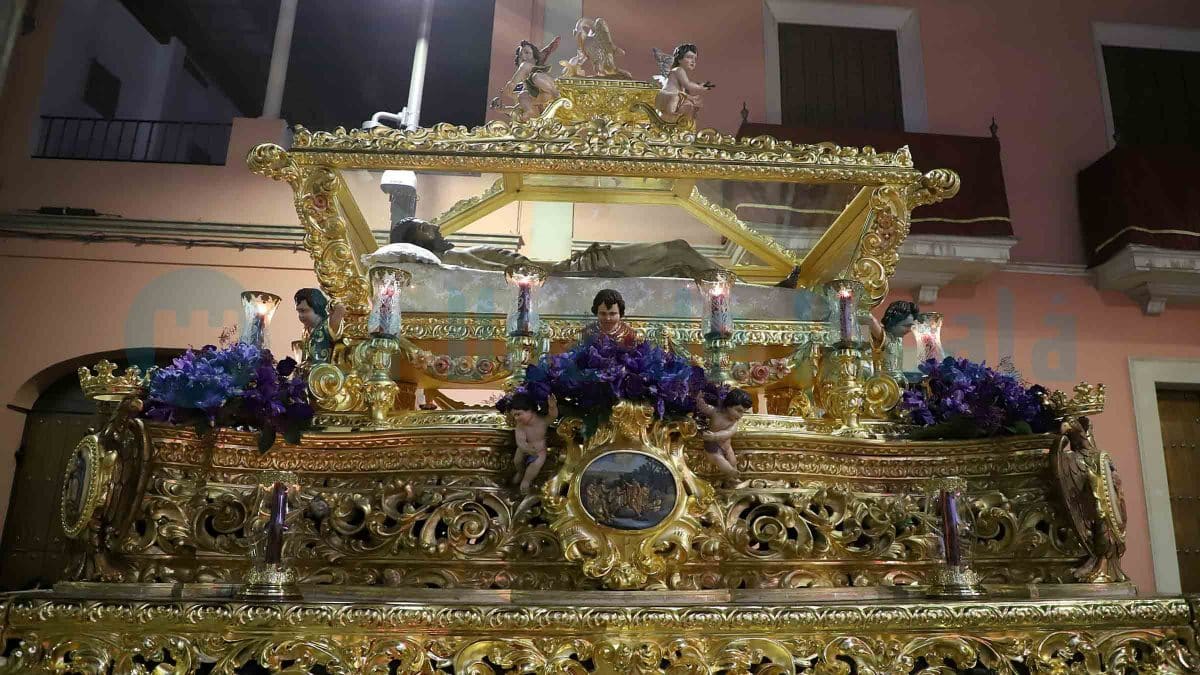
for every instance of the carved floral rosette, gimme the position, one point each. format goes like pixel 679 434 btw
pixel 624 504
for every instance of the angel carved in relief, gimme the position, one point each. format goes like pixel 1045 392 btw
pixel 679 97
pixel 531 86
pixel 1091 492
pixel 124 435
pixel 596 54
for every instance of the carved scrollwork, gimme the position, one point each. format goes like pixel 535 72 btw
pixel 532 144
pixel 828 523
pixel 333 389
pixel 272 161
pixel 427 506
pixel 881 393
pixel 183 638
pixel 935 186
pixel 879 249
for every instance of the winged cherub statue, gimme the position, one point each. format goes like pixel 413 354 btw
pixel 531 85
pixel 596 52
pixel 679 97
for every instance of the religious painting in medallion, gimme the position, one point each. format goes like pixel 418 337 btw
pixel 627 490
pixel 82 489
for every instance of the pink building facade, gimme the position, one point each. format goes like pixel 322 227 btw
pixel 1034 67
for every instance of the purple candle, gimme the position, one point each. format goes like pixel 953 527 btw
pixel 953 548
pixel 845 314
pixel 524 305
pixel 718 321
pixel 276 527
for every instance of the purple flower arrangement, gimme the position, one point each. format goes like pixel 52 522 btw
pixel 234 385
pixel 591 378
pixel 962 399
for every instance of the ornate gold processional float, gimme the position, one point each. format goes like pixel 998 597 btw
pixel 389 539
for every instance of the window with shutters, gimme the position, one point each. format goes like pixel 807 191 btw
pixel 839 77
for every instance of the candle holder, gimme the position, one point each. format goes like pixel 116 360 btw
pixel 718 360
pixel 258 307
pixel 928 333
pixel 523 320
pixel 954 578
pixel 387 282
pixel 270 578
pixel 523 350
pixel 717 288
pixel 843 295
pixel 842 386
pixel 380 388
pixel 298 351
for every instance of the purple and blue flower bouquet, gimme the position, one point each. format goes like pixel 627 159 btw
pixel 592 377
pixel 962 399
pixel 235 385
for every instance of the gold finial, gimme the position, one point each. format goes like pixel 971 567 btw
pixel 106 385
pixel 1084 399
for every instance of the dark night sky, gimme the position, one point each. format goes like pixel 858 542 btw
pixel 349 58
pixel 348 64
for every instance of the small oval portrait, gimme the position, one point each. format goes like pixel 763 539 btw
pixel 628 490
pixel 78 486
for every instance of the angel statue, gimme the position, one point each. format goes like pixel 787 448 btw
pixel 679 98
pixel 596 52
pixel 1091 491
pixel 531 86
pixel 125 434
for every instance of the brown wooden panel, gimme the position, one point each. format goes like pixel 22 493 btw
pixel 1179 414
pixel 839 77
pixel 33 548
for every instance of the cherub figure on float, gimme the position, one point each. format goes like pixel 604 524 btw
pixel 531 86
pixel 723 422
pixel 679 98
pixel 530 428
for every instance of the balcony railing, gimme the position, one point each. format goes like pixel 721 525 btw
pixel 126 140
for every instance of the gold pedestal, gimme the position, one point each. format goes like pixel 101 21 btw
pixel 267 581
pixel 380 389
pixel 717 360
pixel 846 396
pixel 955 581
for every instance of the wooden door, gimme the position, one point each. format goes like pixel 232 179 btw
pixel 1179 412
pixel 34 548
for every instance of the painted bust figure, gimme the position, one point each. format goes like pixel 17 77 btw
pixel 609 309
pixel 322 324
pixel 887 337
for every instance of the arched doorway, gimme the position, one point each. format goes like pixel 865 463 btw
pixel 33 550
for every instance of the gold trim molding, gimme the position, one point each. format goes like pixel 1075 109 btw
pixel 595 632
